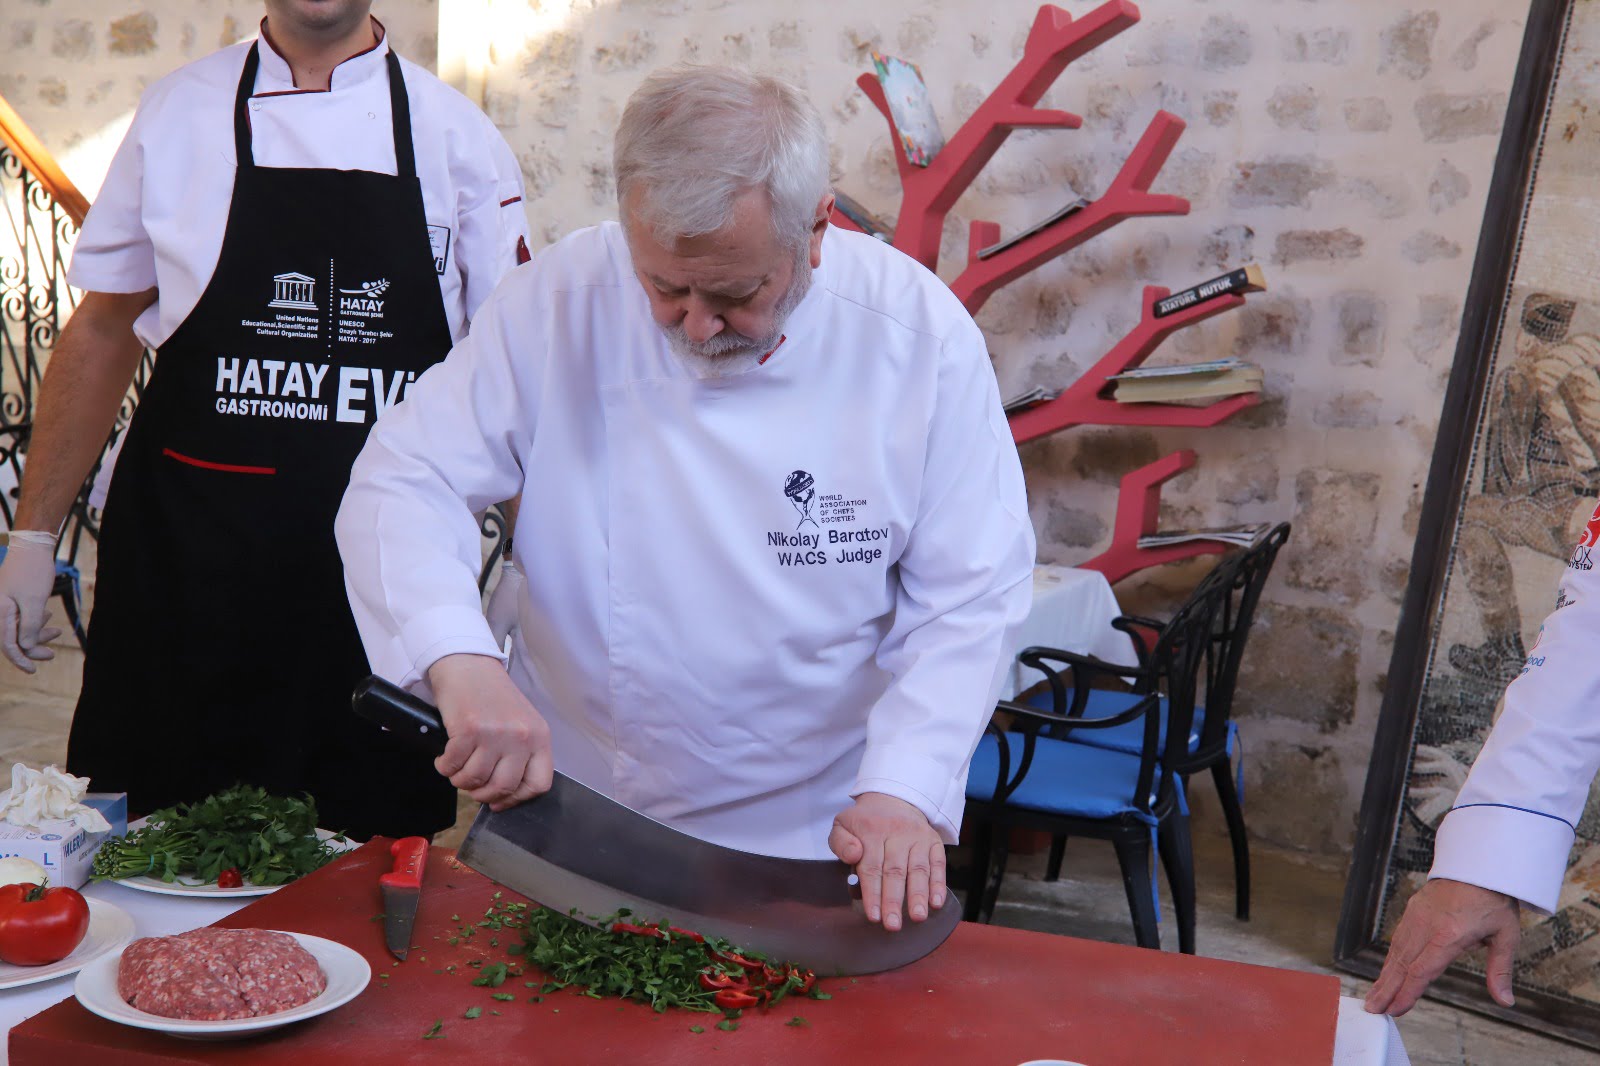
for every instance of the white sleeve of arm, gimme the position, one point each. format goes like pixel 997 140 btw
pixel 493 221
pixel 966 583
pixel 113 251
pixel 406 531
pixel 1511 828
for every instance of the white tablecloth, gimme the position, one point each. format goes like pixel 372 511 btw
pixel 1072 610
pixel 1361 1039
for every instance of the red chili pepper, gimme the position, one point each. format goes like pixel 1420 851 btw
pixel 687 934
pixel 749 965
pixel 773 975
pixel 734 999
pixel 807 980
pixel 639 930
pixel 230 878
pixel 715 981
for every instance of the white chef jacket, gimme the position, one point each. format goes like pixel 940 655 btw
pixel 159 218
pixel 1512 826
pixel 748 597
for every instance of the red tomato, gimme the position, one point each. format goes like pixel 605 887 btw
pixel 230 878
pixel 39 926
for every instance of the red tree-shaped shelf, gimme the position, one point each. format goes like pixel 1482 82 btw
pixel 930 192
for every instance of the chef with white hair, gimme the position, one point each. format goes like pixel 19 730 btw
pixel 775 533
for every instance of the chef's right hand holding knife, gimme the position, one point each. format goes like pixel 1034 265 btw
pixel 499 749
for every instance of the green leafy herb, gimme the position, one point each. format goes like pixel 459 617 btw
pixel 817 993
pixel 492 975
pixel 797 1022
pixel 473 1012
pixel 270 840
pixel 436 1033
pixel 697 1028
pixel 505 997
pixel 727 1025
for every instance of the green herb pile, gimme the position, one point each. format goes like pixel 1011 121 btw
pixel 654 963
pixel 269 840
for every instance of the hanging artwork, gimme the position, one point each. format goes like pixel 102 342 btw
pixel 1515 475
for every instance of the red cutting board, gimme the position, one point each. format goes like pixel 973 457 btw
pixel 988 996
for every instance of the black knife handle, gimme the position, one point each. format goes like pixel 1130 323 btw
pixel 413 720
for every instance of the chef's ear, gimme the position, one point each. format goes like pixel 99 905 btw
pixel 819 226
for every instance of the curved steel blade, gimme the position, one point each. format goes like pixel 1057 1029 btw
pixel 574 849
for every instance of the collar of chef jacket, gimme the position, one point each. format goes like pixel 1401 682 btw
pixel 276 77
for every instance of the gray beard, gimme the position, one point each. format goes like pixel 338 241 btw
pixel 731 353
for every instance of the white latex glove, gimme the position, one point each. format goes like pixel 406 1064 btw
pixel 27 577
pixel 501 612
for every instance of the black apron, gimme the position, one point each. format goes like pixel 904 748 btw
pixel 222 647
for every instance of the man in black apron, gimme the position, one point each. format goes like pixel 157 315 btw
pixel 221 647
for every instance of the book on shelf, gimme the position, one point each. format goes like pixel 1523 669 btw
pixel 1070 208
pixel 1196 385
pixel 865 220
pixel 1213 366
pixel 909 106
pixel 1235 282
pixel 1242 536
pixel 1032 398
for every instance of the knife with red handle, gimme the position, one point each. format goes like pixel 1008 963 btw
pixel 402 891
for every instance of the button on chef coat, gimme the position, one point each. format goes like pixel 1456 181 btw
pixel 159 218
pixel 1512 826
pixel 695 655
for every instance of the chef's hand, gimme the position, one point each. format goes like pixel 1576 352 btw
pixel 499 749
pixel 1443 920
pixel 897 855
pixel 501 612
pixel 27 577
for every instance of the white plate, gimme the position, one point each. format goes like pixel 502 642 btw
pixel 181 887
pixel 347 973
pixel 110 929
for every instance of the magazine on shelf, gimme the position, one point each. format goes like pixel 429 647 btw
pixel 1214 366
pixel 909 106
pixel 1032 398
pixel 1193 389
pixel 1246 279
pixel 1069 209
pixel 868 222
pixel 1242 536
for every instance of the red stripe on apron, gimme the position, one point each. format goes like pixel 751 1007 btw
pixel 227 468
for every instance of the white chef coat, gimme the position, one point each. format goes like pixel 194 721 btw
pixel 708 649
pixel 1511 828
pixel 159 218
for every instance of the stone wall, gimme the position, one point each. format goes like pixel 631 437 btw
pixel 1344 144
pixel 74 69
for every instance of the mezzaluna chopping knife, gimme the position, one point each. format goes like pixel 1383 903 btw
pixel 577 851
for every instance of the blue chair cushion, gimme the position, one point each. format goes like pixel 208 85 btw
pixel 1128 737
pixel 1067 779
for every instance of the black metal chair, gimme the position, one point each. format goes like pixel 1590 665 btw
pixel 1214 741
pixel 1069 789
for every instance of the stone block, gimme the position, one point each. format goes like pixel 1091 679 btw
pixel 1449 117
pixel 1300 663
pixel 1224 43
pixel 1406 45
pixel 1465 57
pixel 1071 527
pixel 1447 187
pixel 72 39
pixel 1348 410
pixel 1368 114
pixel 1221 106
pixel 52 92
pixel 627 52
pixel 1362 317
pixel 1271 323
pixel 20 34
pixel 1294 107
pixel 1279 181
pixel 786 38
pixel 1438 320
pixel 1335 517
pixel 1426 246
pixel 1388 195
pixel 134 35
pixel 1105 455
pixel 1327 44
pixel 541 169
pixel 1295 790
pixel 1298 246
pixel 1248 479
pixel 916 33
pixel 1226 247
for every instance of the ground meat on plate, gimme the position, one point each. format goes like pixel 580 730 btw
pixel 218 974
